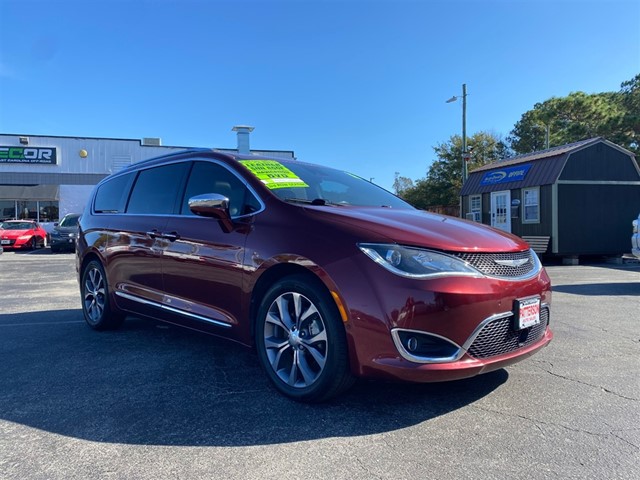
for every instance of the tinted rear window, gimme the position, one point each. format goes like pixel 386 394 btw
pixel 111 196
pixel 156 190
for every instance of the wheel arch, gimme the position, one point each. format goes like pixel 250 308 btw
pixel 279 271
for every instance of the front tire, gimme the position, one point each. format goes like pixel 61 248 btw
pixel 96 305
pixel 301 340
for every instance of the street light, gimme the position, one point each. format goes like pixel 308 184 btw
pixel 465 154
pixel 546 135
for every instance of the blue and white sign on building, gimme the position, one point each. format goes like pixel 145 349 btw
pixel 505 175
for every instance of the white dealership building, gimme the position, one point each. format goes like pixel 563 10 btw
pixel 45 177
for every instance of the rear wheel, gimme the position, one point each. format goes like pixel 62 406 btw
pixel 96 305
pixel 301 340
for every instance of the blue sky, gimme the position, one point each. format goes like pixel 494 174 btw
pixel 358 85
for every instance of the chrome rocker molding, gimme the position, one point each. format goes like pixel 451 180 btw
pixel 461 350
pixel 172 309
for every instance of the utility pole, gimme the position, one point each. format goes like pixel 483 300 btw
pixel 465 154
pixel 465 157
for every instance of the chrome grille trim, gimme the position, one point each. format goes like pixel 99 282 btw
pixel 497 264
pixel 485 340
pixel 498 337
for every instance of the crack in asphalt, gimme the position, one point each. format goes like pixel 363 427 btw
pixel 564 377
pixel 537 424
pixel 606 390
pixel 366 469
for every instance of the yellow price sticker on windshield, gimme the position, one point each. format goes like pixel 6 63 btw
pixel 273 174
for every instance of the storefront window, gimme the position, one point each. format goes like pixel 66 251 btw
pixel 43 211
pixel 27 210
pixel 7 209
pixel 48 211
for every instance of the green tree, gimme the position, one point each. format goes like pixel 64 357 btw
pixel 443 182
pixel 630 99
pixel 578 116
pixel 401 184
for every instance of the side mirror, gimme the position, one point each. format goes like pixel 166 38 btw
pixel 212 205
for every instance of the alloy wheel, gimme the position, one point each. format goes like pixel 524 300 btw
pixel 295 340
pixel 94 295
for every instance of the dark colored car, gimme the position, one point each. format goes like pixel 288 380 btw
pixel 22 235
pixel 328 276
pixel 64 234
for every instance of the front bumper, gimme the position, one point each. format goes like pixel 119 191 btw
pixel 14 244
pixel 63 242
pixel 473 315
pixel 467 366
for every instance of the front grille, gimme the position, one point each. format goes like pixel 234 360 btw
pixel 499 337
pixel 486 263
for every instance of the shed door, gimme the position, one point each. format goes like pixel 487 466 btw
pixel 500 218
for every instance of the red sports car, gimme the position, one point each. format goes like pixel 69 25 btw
pixel 22 234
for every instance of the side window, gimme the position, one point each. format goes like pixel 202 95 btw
pixel 531 205
pixel 475 207
pixel 111 196
pixel 207 177
pixel 156 189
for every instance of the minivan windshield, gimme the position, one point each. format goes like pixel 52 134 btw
pixel 319 185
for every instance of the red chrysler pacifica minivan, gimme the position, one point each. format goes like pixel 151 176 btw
pixel 328 276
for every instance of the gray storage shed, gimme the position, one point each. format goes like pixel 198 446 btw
pixel 575 199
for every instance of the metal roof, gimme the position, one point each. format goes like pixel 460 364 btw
pixel 549 152
pixel 545 167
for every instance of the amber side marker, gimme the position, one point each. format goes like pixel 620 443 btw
pixel 341 309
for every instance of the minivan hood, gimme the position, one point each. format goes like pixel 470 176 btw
pixel 424 229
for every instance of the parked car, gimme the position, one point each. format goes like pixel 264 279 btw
pixel 635 237
pixel 327 275
pixel 64 234
pixel 22 234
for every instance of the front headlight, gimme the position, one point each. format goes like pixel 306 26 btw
pixel 416 262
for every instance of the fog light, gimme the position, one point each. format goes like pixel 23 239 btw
pixel 424 347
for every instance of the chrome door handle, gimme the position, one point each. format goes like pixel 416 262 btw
pixel 171 236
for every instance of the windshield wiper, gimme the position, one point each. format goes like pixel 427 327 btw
pixel 315 201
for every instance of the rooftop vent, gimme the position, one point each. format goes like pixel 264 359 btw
pixel 152 142
pixel 243 138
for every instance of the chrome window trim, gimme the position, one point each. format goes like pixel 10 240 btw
pixel 137 169
pixel 172 309
pixel 462 350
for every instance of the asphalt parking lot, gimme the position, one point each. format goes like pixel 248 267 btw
pixel 152 401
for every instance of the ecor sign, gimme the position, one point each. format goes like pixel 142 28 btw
pixel 39 155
